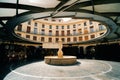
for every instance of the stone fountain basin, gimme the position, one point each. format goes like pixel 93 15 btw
pixel 65 60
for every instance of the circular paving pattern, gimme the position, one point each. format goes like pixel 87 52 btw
pixel 84 70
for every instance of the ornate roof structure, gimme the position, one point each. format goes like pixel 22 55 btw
pixel 14 12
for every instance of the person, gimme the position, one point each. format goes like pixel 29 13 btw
pixel 92 52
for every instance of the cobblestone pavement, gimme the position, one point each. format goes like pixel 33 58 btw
pixel 83 70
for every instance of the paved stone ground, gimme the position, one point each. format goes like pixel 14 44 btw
pixel 83 70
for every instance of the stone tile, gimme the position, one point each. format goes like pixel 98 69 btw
pixel 86 70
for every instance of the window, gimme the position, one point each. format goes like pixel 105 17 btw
pixel 62 27
pixel 34 38
pixel 80 31
pixel 68 27
pixel 35 30
pixel 57 39
pixel 60 20
pixel 46 19
pixel 18 34
pixel 85 31
pixel 42 32
pixel 35 24
pixel 101 33
pixel 63 39
pixel 50 32
pixel 68 39
pixel 74 26
pixel 28 29
pixel 42 39
pixel 86 37
pixel 62 33
pixel 57 27
pixel 43 26
pixel 68 32
pixel 19 28
pixel 50 40
pixel 28 36
pixel 74 39
pixel 57 33
pixel 91 29
pixel 80 38
pixel 74 32
pixel 85 24
pixel 50 27
pixel 53 20
pixel 101 27
pixel 92 36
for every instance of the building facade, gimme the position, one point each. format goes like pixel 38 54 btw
pixel 53 30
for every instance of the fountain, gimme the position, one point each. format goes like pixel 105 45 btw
pixel 60 59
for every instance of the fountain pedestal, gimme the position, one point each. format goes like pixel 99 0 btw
pixel 65 60
pixel 60 59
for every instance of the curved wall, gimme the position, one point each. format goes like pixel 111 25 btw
pixel 49 30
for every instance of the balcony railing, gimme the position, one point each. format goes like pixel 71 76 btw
pixel 75 34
